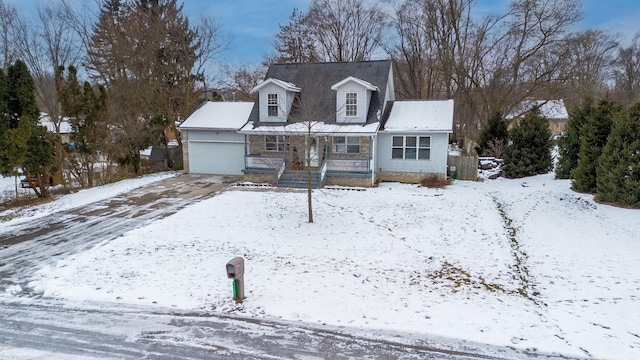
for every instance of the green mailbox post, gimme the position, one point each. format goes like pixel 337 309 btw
pixel 235 271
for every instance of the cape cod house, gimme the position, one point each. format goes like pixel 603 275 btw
pixel 339 119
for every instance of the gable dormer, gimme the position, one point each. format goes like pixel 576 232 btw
pixel 275 99
pixel 353 97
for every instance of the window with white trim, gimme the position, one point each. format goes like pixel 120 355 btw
pixel 351 104
pixel 346 144
pixel 411 147
pixel 272 104
pixel 274 142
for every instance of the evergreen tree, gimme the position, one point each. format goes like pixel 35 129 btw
pixel 569 144
pixel 593 138
pixel 293 42
pixel 87 112
pixel 618 169
pixel 493 138
pixel 25 144
pixel 13 148
pixel 4 104
pixel 39 157
pixel 21 93
pixel 529 152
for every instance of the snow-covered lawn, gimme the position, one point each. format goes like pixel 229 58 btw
pixel 525 263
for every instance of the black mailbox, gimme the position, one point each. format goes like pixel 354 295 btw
pixel 235 268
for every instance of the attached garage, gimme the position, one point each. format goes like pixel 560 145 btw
pixel 211 142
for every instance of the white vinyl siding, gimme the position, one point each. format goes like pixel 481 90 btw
pixel 275 103
pixel 352 109
pixel 392 156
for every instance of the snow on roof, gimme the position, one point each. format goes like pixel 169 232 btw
pixel 365 84
pixel 65 126
pixel 283 84
pixel 420 115
pixel 550 109
pixel 317 128
pixel 219 115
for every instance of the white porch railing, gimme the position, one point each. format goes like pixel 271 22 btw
pixel 323 171
pixel 349 165
pixel 263 162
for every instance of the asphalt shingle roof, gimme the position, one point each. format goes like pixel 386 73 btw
pixel 316 79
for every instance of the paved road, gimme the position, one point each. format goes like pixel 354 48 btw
pixel 137 333
pixel 61 329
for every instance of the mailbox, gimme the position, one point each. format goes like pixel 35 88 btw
pixel 235 271
pixel 235 268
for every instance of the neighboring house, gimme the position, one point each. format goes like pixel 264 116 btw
pixel 344 118
pixel 65 127
pixel 211 143
pixel 553 110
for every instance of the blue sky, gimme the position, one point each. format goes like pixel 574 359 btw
pixel 253 23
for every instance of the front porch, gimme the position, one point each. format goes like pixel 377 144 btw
pixel 281 172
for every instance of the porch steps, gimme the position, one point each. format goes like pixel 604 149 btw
pixel 297 179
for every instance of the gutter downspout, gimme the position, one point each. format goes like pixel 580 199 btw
pixel 372 161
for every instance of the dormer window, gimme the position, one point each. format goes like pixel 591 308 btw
pixel 353 97
pixel 272 104
pixel 352 104
pixel 275 99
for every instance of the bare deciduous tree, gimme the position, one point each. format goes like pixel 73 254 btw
pixel 346 30
pixel 627 72
pixel 590 65
pixel 239 79
pixel 8 16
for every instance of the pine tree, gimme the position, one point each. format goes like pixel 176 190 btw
pixel 293 42
pixel 4 104
pixel 25 144
pixel 21 94
pixel 493 138
pixel 569 144
pixel 593 138
pixel 529 152
pixel 87 112
pixel 618 169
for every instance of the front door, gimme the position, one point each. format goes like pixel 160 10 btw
pixel 314 159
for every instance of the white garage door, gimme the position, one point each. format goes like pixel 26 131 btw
pixel 222 158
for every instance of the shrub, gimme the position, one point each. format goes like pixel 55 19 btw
pixel 434 181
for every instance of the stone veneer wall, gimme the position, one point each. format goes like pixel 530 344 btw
pixel 348 181
pixel 259 178
pixel 412 178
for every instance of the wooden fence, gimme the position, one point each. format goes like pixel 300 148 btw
pixel 466 167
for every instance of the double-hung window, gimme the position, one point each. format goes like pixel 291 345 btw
pixel 274 142
pixel 411 147
pixel 272 104
pixel 352 104
pixel 346 144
